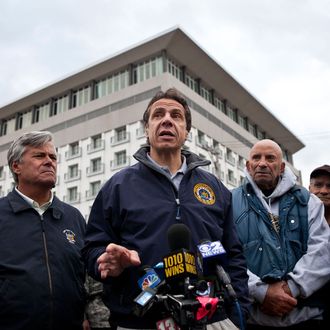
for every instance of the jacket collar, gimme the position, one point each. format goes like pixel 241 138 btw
pixel 192 159
pixel 18 204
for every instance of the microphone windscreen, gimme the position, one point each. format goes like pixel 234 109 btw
pixel 178 236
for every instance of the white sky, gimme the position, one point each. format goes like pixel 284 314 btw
pixel 278 50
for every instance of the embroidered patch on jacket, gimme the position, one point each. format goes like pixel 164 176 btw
pixel 70 235
pixel 204 193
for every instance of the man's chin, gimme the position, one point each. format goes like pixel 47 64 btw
pixel 264 184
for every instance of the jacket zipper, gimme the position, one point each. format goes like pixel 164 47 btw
pixel 178 214
pixel 50 281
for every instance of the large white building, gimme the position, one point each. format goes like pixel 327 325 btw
pixel 96 114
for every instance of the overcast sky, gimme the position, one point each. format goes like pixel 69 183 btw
pixel 278 50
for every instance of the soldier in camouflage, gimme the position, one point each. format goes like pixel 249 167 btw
pixel 96 313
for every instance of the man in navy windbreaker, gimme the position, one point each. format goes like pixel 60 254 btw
pixel 41 268
pixel 134 209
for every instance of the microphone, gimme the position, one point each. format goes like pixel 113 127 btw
pixel 180 264
pixel 211 255
pixel 149 278
pixel 150 284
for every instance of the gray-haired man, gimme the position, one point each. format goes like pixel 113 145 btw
pixel 41 271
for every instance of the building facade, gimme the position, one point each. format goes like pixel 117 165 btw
pixel 96 116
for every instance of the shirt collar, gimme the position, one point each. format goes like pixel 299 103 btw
pixel 35 204
pixel 182 169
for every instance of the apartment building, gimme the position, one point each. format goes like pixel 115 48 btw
pixel 95 116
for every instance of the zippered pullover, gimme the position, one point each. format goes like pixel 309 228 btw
pixel 136 207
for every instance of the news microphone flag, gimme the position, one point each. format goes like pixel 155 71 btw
pixel 180 263
pixel 149 279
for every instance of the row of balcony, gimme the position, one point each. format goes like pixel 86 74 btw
pixel 95 170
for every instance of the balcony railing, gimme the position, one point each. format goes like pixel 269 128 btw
pixel 120 138
pixel 96 146
pixel 72 199
pixel 94 170
pixel 116 164
pixel 230 159
pixel 73 153
pixel 72 176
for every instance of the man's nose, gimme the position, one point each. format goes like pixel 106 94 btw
pixel 48 159
pixel 262 162
pixel 167 119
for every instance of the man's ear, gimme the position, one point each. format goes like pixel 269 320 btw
pixel 16 168
pixel 282 167
pixel 247 164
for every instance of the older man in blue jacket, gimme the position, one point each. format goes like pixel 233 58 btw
pixel 286 243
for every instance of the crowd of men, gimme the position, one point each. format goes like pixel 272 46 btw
pixel 275 233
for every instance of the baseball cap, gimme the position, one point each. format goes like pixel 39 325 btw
pixel 324 169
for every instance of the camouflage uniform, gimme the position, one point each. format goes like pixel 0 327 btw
pixel 96 312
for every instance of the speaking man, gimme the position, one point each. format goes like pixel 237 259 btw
pixel 134 209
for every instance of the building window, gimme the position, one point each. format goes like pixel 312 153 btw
pixel 251 129
pixel 173 69
pixel 94 188
pixel 231 113
pixel 60 104
pixel 147 70
pixel 3 127
pixel 96 167
pixel 97 143
pixel 230 157
pixel 191 83
pixel 121 136
pixel 200 139
pixel 35 115
pixel 73 151
pixel 19 121
pixel 241 162
pixel 121 133
pixel 81 96
pixel 231 178
pixel 241 121
pixel 121 158
pixel 2 173
pixel 205 94
pixel 260 134
pixel 96 164
pixel 72 195
pixel 219 104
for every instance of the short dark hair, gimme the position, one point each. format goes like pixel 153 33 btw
pixel 172 94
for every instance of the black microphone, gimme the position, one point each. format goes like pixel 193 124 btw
pixel 180 264
pixel 211 255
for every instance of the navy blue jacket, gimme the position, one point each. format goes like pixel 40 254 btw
pixel 136 207
pixel 41 269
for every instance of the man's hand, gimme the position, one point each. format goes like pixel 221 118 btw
pixel 116 259
pixel 278 300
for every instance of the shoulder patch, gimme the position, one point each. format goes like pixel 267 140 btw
pixel 204 193
pixel 70 235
